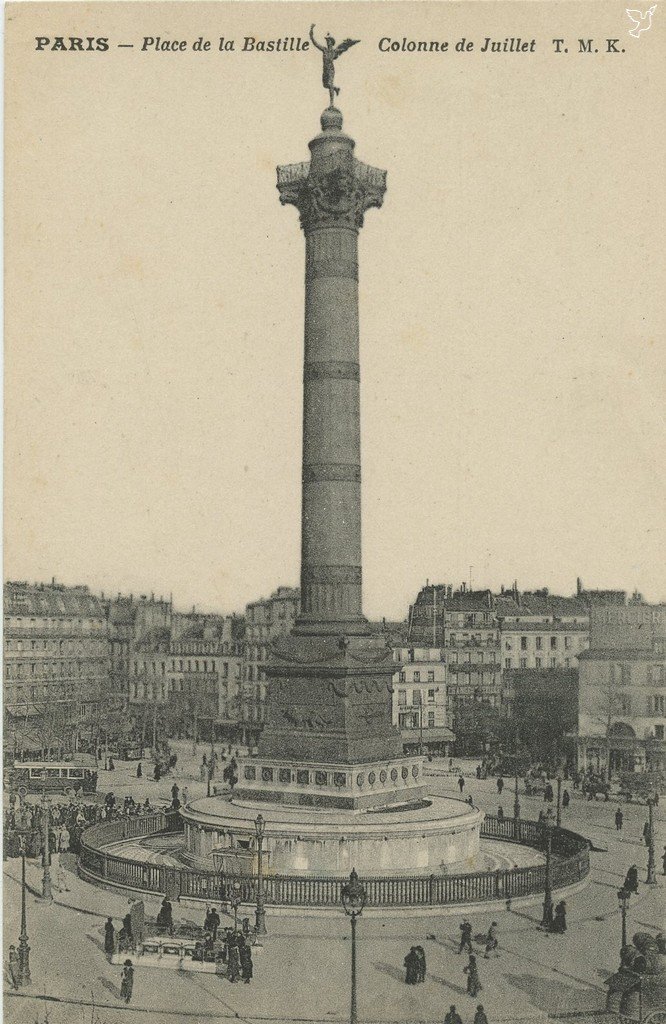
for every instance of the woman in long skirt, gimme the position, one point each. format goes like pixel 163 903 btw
pixel 473 980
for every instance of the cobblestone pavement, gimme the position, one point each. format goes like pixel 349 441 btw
pixel 302 973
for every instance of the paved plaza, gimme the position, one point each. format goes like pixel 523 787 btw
pixel 302 971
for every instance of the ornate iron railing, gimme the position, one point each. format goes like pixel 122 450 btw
pixel 570 864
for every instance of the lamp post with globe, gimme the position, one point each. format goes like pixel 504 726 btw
pixel 353 896
pixel 260 913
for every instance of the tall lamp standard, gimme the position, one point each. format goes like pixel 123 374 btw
pixel 24 948
pixel 260 913
pixel 235 901
pixel 353 896
pixel 47 894
pixel 623 896
pixel 516 801
pixel 547 918
pixel 559 800
pixel 651 874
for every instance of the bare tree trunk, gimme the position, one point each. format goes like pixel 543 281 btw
pixel 196 729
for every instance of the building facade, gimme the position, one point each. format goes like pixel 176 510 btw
pixel 56 667
pixel 622 689
pixel 419 700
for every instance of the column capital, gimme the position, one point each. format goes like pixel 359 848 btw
pixel 334 193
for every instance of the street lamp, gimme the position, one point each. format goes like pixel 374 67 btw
pixel 651 874
pixel 260 913
pixel 353 896
pixel 547 918
pixel 623 896
pixel 47 894
pixel 24 948
pixel 559 800
pixel 516 801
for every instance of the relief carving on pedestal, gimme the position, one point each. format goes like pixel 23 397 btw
pixel 307 720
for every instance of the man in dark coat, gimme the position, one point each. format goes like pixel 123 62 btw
pixel 109 937
pixel 245 952
pixel 453 1017
pixel 480 1015
pixel 411 967
pixel 421 964
pixel 631 881
pixel 214 923
pixel 127 981
pixel 461 784
pixel 500 785
pixel 465 937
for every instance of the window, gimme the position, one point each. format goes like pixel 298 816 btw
pixel 416 697
pixel 431 677
pixel 538 662
pixel 431 719
pixel 523 662
pixel 553 662
pixel 402 696
pixel 539 641
pixel 417 677
pixel 507 663
pixel 658 704
pixel 431 696
pixel 402 677
pixel 553 643
pixel 523 643
pixel 567 642
pixel 624 702
pixel 659 732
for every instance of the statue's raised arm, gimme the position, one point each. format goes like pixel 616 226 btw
pixel 314 41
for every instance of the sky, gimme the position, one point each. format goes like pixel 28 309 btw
pixel 511 301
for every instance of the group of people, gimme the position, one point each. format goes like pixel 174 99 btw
pixel 453 1017
pixel 234 950
pixel 415 965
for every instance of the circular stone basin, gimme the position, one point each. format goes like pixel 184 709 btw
pixel 420 838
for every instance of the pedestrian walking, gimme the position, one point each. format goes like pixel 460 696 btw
pixel 500 785
pixel 14 967
pixel 565 799
pixel 175 791
pixel 473 981
pixel 185 795
pixel 469 800
pixel 421 963
pixel 461 784
pixel 560 918
pixel 500 813
pixel 109 937
pixel 127 981
pixel 480 1015
pixel 492 942
pixel 233 959
pixel 465 937
pixel 631 881
pixel 411 963
pixel 214 923
pixel 139 771
pixel 157 773
pixel 663 861
pixel 245 953
pixel 453 1017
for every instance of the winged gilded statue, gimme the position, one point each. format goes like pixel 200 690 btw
pixel 330 54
